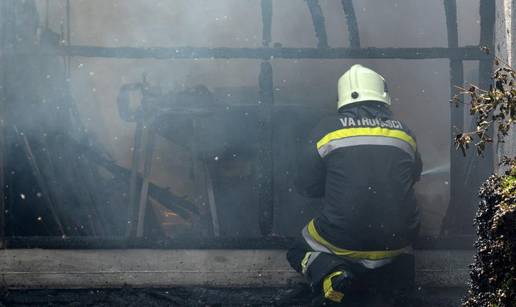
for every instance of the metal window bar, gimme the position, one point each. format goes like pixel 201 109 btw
pixel 453 52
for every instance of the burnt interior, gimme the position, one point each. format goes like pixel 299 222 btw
pixel 71 186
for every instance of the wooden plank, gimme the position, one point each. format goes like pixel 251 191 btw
pixel 148 143
pixel 211 200
pixel 67 269
pixel 133 181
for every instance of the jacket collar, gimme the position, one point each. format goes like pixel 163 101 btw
pixel 366 109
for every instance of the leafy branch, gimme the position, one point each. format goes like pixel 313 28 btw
pixel 493 108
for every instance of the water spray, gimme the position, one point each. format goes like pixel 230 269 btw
pixel 438 170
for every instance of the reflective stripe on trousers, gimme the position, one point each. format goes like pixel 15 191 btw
pixel 369 259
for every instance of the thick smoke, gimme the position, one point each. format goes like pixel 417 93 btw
pixel 420 88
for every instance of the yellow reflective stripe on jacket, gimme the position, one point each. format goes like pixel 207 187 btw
pixel 368 255
pixel 366 140
pixel 377 131
pixel 308 260
pixel 329 292
pixel 304 262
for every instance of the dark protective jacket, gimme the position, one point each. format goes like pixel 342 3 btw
pixel 363 164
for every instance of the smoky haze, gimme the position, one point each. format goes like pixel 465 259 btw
pixel 420 88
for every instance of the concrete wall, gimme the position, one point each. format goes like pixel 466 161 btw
pixel 506 50
pixel 65 269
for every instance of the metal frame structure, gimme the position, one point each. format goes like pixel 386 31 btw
pixel 456 55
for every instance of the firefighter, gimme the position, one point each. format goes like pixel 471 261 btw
pixel 363 164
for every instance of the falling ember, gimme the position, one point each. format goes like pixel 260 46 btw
pixel 169 213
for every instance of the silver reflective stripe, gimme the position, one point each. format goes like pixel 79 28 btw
pixel 314 244
pixel 369 264
pixel 408 250
pixel 366 140
pixel 374 264
pixel 311 258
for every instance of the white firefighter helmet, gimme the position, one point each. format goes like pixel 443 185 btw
pixel 360 83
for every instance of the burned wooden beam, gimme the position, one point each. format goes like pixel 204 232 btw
pixel 318 22
pixel 460 53
pixel 204 221
pixel 473 170
pixel 266 22
pixel 480 168
pixel 487 36
pixel 148 143
pixel 265 170
pixel 351 21
pixel 42 183
pixel 181 206
pixel 211 201
pixel 133 179
pixel 457 189
pixel 450 10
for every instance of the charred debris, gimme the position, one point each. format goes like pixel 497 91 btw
pixel 51 162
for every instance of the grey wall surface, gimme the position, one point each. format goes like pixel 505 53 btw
pixel 506 50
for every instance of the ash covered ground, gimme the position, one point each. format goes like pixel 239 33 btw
pixel 195 297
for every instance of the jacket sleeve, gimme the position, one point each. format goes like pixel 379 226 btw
pixel 418 167
pixel 311 171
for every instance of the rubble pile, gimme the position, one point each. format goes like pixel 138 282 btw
pixel 493 274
